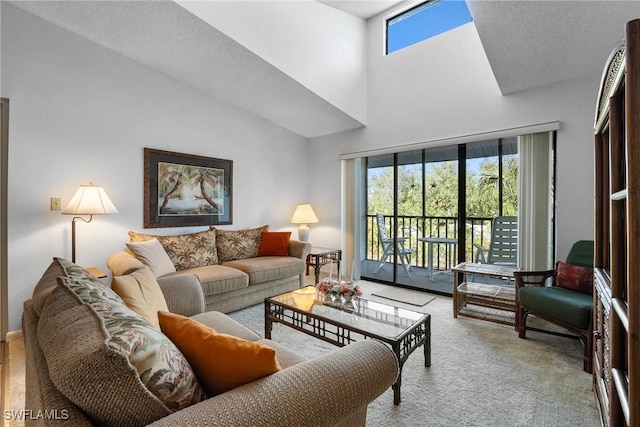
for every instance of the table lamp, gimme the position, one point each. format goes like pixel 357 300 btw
pixel 304 215
pixel 88 200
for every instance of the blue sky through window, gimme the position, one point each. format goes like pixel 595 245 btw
pixel 425 21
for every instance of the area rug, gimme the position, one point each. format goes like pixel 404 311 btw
pixel 406 296
pixel 481 374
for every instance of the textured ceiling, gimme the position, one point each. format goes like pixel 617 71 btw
pixel 166 37
pixel 363 8
pixel 528 44
pixel 537 43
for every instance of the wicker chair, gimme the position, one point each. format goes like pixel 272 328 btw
pixel 569 309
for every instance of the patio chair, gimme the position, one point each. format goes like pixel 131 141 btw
pixel 388 246
pixel 567 302
pixel 503 248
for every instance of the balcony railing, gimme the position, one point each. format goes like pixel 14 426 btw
pixel 411 228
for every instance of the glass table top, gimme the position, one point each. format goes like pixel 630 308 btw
pixel 368 316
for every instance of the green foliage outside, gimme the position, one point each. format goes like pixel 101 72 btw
pixel 441 200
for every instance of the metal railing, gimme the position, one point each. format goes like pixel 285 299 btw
pixel 411 228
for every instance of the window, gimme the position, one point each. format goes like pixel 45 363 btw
pixel 424 21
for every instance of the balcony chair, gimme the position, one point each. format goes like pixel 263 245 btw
pixel 388 246
pixel 503 248
pixel 567 301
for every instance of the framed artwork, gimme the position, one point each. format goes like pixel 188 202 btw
pixel 183 190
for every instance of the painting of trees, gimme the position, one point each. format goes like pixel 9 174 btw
pixel 189 190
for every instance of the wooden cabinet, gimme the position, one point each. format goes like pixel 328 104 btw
pixel 602 346
pixel 616 361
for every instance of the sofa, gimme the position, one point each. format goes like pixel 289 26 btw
pixel 235 268
pixel 88 362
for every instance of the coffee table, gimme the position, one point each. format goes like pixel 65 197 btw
pixel 403 330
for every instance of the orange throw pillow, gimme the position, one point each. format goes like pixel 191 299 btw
pixel 274 243
pixel 221 362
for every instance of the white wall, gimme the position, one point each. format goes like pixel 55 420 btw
pixel 443 88
pixel 319 46
pixel 82 113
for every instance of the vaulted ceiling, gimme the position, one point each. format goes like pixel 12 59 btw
pixel 528 44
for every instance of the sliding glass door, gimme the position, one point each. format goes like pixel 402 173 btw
pixel 427 210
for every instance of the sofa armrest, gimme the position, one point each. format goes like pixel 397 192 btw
pixel 299 249
pixel 183 294
pixel 319 392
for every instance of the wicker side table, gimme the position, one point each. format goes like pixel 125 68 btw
pixel 490 302
pixel 322 256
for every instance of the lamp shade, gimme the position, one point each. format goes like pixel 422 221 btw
pixel 304 214
pixel 90 200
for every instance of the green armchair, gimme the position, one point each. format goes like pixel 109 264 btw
pixel 567 301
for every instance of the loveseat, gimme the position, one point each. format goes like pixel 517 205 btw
pixel 84 367
pixel 235 268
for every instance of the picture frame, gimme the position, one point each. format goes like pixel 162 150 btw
pixel 182 190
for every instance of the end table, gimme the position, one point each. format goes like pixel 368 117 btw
pixel 322 256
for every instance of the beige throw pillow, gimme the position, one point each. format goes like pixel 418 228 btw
pixel 153 255
pixel 142 294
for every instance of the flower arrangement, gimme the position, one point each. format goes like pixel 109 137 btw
pixel 344 288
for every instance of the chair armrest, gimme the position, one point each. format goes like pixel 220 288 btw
pixel 481 253
pixel 299 249
pixel 183 294
pixel 531 278
pixel 319 392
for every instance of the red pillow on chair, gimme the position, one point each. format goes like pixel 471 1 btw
pixel 576 278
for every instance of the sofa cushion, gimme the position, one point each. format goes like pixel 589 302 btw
pixel 58 267
pixel 571 307
pixel 226 325
pixel 264 269
pixel 152 254
pixel 221 362
pixel 141 293
pixel 238 244
pixel 46 284
pixel 216 279
pixel 186 250
pixel 286 356
pixel 573 277
pixel 96 348
pixel 274 243
pixel 122 263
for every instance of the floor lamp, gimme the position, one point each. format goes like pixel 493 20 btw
pixel 89 200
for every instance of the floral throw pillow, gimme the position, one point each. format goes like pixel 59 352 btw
pixel 162 368
pixel 573 277
pixel 186 250
pixel 238 244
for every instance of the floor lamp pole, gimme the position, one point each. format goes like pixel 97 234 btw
pixel 73 235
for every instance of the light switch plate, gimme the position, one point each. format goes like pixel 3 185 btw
pixel 55 204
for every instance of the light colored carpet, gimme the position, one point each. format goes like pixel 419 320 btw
pixel 404 295
pixel 481 374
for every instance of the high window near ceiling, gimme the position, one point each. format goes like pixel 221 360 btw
pixel 424 21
